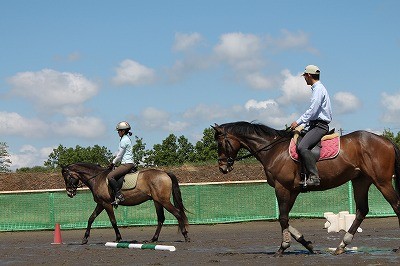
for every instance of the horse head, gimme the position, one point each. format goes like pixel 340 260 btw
pixel 71 180
pixel 228 148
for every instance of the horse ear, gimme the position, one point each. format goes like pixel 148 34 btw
pixel 215 127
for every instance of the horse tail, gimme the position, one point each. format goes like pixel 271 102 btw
pixel 177 198
pixel 396 167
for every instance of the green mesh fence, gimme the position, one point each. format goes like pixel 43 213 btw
pixel 207 204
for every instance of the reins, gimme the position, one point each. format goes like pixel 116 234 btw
pixel 265 148
pixel 231 160
pixel 81 184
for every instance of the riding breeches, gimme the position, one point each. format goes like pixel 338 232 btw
pixel 312 137
pixel 120 171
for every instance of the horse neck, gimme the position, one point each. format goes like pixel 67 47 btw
pixel 255 143
pixel 89 178
pixel 259 145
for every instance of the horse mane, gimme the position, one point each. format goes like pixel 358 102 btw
pixel 244 128
pixel 88 166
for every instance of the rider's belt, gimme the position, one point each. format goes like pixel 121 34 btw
pixel 315 122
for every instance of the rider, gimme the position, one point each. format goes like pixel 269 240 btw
pixel 317 117
pixel 124 156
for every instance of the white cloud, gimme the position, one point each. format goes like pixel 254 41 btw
pixel 132 73
pixel 17 125
pixel 268 112
pixel 241 51
pixel 29 156
pixel 154 119
pixel 188 65
pixel 253 104
pixel 238 46
pixel 258 81
pixel 81 127
pixel 176 126
pixel 390 102
pixel 202 112
pixel 291 40
pixel 50 89
pixel 346 102
pixel 391 108
pixel 184 42
pixel 294 89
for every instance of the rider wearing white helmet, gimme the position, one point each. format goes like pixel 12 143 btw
pixel 124 156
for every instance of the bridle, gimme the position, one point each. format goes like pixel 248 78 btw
pixel 229 158
pixel 74 183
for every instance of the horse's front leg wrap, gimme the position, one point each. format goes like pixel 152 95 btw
pixel 286 238
pixel 300 238
pixel 346 241
pixel 296 234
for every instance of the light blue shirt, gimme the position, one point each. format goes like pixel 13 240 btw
pixel 124 154
pixel 320 108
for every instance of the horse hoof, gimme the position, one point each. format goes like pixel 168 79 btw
pixel 310 247
pixel 84 241
pixel 278 254
pixel 339 251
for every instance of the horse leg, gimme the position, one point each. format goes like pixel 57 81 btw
pixel 360 188
pixel 285 203
pixel 160 220
pixel 99 208
pixel 111 216
pixel 294 232
pixel 392 197
pixel 177 213
pixel 300 238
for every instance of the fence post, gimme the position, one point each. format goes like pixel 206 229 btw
pixel 350 196
pixel 51 210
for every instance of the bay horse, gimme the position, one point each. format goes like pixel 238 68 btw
pixel 152 184
pixel 364 159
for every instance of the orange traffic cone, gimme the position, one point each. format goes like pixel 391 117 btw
pixel 57 235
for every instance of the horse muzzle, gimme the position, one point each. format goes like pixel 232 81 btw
pixel 71 192
pixel 225 168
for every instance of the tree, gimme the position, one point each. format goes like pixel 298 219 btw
pixel 4 158
pixel 165 153
pixel 390 135
pixel 185 152
pixel 139 151
pixel 206 149
pixel 64 156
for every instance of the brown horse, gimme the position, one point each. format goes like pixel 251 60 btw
pixel 364 159
pixel 152 184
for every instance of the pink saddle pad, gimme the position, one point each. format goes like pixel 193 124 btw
pixel 330 149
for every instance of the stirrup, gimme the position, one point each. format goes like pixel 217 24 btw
pixel 313 181
pixel 303 179
pixel 118 198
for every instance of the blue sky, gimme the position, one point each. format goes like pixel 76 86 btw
pixel 71 70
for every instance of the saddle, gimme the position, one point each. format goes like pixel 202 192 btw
pixel 327 148
pixel 128 181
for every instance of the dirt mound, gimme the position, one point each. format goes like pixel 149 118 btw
pixel 186 174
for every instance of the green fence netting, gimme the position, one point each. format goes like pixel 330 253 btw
pixel 207 203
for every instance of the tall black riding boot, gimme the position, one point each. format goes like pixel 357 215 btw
pixel 117 192
pixel 309 163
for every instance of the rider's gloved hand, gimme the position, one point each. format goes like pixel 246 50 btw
pixel 111 166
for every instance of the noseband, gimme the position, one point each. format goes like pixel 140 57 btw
pixel 229 160
pixel 73 183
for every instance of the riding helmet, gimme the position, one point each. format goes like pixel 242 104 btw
pixel 123 125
